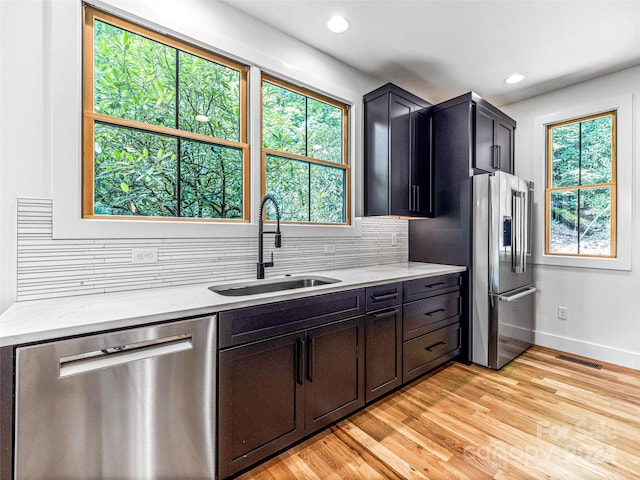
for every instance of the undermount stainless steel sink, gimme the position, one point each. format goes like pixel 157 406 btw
pixel 266 286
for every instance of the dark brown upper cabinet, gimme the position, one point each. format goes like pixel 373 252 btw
pixel 487 132
pixel 398 170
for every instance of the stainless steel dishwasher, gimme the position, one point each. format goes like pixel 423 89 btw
pixel 136 403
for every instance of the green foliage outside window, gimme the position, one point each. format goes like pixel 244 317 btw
pixel 582 187
pixel 164 134
pixel 140 171
pixel 306 127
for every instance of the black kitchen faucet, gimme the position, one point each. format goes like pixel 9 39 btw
pixel 278 239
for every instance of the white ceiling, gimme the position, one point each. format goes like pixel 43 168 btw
pixel 442 48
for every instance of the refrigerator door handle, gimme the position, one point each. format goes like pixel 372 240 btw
pixel 523 238
pixel 518 251
pixel 517 296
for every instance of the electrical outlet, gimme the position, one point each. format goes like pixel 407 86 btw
pixel 563 313
pixel 144 255
pixel 394 239
pixel 330 248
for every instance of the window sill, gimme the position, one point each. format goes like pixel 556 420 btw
pixel 623 264
pixel 66 227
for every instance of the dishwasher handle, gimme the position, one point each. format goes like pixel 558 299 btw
pixel 121 354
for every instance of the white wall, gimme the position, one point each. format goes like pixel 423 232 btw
pixel 22 168
pixel 604 305
pixel 40 92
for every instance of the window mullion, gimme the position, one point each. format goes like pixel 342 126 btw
pixel 177 125
pixel 580 153
pixel 579 222
pixel 309 190
pixel 306 152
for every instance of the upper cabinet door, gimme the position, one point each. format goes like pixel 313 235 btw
pixel 494 141
pixel 421 194
pixel 400 119
pixel 485 158
pixel 504 141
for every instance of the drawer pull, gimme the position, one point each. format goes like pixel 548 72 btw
pixel 386 313
pixel 382 298
pixel 430 314
pixel 431 285
pixel 436 346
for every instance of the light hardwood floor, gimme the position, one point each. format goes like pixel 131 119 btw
pixel 538 417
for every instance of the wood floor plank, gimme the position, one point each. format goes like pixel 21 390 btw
pixel 539 417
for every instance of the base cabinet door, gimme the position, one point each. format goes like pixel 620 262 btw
pixel 383 352
pixel 261 400
pixel 334 384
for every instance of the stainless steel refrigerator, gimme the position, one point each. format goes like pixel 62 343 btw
pixel 502 283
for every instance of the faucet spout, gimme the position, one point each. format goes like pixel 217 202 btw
pixel 261 233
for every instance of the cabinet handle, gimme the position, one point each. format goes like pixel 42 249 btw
pixel 412 198
pixel 435 346
pixel 382 298
pixel 431 285
pixel 299 361
pixel 430 314
pixel 386 313
pixel 496 156
pixel 416 205
pixel 310 362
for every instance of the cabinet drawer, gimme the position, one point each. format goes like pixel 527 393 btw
pixel 428 351
pixel 383 296
pixel 430 286
pixel 249 324
pixel 424 316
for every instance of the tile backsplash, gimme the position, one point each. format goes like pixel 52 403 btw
pixel 49 268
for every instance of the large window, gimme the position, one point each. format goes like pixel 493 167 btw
pixel 164 126
pixel 304 154
pixel 581 187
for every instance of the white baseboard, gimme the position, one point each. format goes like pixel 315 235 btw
pixel 603 353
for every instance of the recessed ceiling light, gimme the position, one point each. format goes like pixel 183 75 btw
pixel 514 78
pixel 338 24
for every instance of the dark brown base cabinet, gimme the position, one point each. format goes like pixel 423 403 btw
pixel 383 365
pixel 275 391
pixel 289 369
pixel 431 323
pixel 260 400
pixel 334 384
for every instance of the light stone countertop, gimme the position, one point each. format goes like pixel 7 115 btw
pixel 41 320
